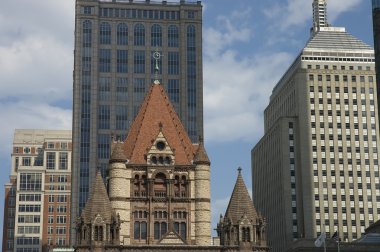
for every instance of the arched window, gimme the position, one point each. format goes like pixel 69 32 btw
pixel 160 229
pixel 160 224
pixel 183 230
pixel 140 224
pixel 180 186
pixel 156 35
pixel 190 36
pixel 173 36
pixel 176 186
pixel 143 187
pixel 136 230
pixel 183 187
pixel 139 35
pixel 105 33
pixel 98 233
pixel 164 228
pixel 160 187
pixel 246 234
pixel 122 34
pixel 180 223
pixel 157 234
pixel 139 186
pixel 139 230
pixel 136 186
pixel 87 33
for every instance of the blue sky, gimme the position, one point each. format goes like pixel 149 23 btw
pixel 248 44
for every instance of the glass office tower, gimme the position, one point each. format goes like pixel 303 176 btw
pixel 114 67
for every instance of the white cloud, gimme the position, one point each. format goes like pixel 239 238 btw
pixel 298 12
pixel 236 86
pixel 335 8
pixel 229 30
pixel 36 55
pixel 29 115
pixel 237 89
pixel 36 63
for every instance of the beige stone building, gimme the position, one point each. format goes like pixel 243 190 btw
pixel 37 199
pixel 316 167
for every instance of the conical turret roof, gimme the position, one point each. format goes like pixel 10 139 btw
pixel 157 114
pixel 118 154
pixel 98 202
pixel 201 156
pixel 240 202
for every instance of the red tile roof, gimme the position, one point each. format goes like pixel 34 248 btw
pixel 156 112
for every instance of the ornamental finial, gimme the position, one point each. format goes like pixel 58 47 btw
pixel 157 56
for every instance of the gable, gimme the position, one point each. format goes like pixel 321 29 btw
pixel 171 238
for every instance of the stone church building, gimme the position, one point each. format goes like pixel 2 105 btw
pixel 157 193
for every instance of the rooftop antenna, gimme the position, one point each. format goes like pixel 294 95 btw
pixel 157 56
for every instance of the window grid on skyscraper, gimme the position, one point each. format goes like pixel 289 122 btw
pixel 139 35
pixel 122 34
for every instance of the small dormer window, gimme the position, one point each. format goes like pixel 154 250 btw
pixel 168 160
pixel 154 160
pixel 161 160
pixel 160 145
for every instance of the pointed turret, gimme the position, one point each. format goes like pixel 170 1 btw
pixel 240 202
pixel 117 154
pixel 242 219
pixel 201 156
pixel 98 224
pixel 98 202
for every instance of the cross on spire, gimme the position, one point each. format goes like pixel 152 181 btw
pixel 157 56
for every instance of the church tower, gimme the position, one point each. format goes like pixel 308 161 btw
pixel 158 181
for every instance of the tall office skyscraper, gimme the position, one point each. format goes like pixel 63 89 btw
pixel 37 198
pixel 376 38
pixel 113 68
pixel 316 168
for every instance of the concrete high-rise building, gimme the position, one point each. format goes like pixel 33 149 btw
pixel 376 38
pixel 37 199
pixel 316 167
pixel 114 66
